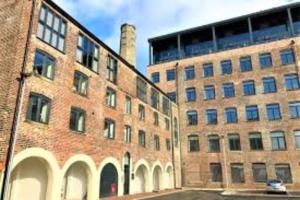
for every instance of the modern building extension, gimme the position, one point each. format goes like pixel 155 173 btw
pixel 77 120
pixel 236 83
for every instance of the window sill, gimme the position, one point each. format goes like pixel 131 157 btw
pixel 111 107
pixel 87 67
pixel 278 150
pixel 43 77
pixel 56 49
pixel 289 90
pixel 82 133
pixel 43 124
pixel 80 94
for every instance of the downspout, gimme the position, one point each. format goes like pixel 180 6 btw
pixel 172 137
pixel 17 111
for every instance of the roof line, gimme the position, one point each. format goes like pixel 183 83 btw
pixel 98 40
pixel 198 28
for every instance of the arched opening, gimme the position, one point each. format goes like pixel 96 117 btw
pixel 157 178
pixel 109 181
pixel 169 178
pixel 141 179
pixel 76 182
pixel 126 173
pixel 30 180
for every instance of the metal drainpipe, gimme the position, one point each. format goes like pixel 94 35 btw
pixel 16 117
pixel 295 49
pixel 172 137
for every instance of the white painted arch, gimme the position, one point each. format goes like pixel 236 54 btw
pixel 169 176
pixel 142 173
pixel 91 170
pixel 116 163
pixel 157 174
pixel 51 165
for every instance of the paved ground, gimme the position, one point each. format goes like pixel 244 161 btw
pixel 200 195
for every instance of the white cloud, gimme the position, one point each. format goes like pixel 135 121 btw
pixel 156 17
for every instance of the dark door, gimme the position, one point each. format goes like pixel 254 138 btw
pixel 109 181
pixel 127 177
pixel 126 173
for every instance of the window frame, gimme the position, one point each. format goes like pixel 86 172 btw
pixel 191 148
pixel 40 98
pixel 246 64
pixel 46 57
pixel 81 111
pixel 82 78
pixel 109 136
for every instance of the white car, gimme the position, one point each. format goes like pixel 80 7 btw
pixel 276 186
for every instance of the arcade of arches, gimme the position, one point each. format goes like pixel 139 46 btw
pixel 36 175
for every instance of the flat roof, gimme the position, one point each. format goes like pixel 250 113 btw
pixel 94 37
pixel 223 22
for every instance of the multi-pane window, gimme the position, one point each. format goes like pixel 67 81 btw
pixel 44 65
pixel 292 82
pixel 297 139
pixel 190 94
pixel 155 119
pixel 287 57
pixel 231 115
pixel 155 77
pixel 193 141
pixel 172 96
pixel 165 106
pixel 237 173
pixel 77 119
pixel 259 172
pixel 209 92
pixel 211 116
pixel 52 28
pixel 228 90
pixel 109 128
pixel 189 73
pixel 154 98
pixel 142 138
pixel 141 89
pixel 269 85
pixel 216 172
pixel 273 112
pixel 278 141
pixel 80 83
pixel 252 113
pixel 283 172
pixel 213 143
pixel 127 134
pixel 87 53
pixel 234 142
pixel 208 70
pixel 170 74
pixel 156 142
pixel 127 105
pixel 168 144
pixel 167 124
pixel 265 60
pixel 38 108
pixel 112 69
pixel 255 141
pixel 226 67
pixel 142 114
pixel 246 64
pixel 192 117
pixel 294 109
pixel 249 88
pixel 111 97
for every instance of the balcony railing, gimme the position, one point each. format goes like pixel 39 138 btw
pixel 297 27
pixel 198 49
pixel 234 41
pixel 165 56
pixel 272 33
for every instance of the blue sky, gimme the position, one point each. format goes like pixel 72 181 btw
pixel 156 17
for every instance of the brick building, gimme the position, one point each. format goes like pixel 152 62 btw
pixel 236 83
pixel 86 123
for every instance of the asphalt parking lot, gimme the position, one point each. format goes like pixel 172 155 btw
pixel 202 195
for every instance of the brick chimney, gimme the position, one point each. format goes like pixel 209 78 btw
pixel 127 43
